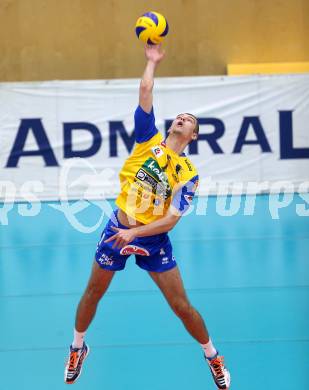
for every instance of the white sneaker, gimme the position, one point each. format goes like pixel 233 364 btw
pixel 219 372
pixel 73 368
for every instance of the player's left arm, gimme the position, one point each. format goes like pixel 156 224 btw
pixel 180 203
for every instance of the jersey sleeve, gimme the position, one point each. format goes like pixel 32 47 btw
pixel 184 195
pixel 144 124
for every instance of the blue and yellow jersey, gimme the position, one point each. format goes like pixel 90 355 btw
pixel 154 177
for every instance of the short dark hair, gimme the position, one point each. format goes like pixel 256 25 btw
pixel 197 126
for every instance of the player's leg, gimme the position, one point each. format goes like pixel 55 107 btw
pixel 107 261
pixel 171 285
pixel 97 285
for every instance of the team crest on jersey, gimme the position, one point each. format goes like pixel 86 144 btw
pixel 157 151
pixel 134 250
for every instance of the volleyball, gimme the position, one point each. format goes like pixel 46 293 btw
pixel 151 28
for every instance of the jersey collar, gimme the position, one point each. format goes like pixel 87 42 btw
pixel 183 154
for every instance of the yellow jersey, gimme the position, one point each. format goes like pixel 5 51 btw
pixel 154 177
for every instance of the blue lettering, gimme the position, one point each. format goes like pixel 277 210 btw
pixel 261 139
pixel 68 129
pixel 118 127
pixel 287 151
pixel 44 147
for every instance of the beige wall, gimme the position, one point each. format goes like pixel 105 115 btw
pixel 90 39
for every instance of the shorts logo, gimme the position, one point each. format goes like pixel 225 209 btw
pixel 134 250
pixel 162 252
pixel 157 151
pixel 105 260
pixel 165 260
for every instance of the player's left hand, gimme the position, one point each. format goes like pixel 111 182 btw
pixel 122 237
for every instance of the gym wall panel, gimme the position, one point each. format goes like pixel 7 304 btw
pixel 91 39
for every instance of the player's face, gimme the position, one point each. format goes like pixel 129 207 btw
pixel 184 124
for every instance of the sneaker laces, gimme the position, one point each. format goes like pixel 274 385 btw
pixel 218 365
pixel 73 360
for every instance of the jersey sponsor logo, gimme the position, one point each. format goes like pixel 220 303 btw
pixel 141 174
pixel 152 174
pixel 143 187
pixel 146 178
pixel 157 151
pixel 153 168
pixel 134 250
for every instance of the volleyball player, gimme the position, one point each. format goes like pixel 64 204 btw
pixel 158 183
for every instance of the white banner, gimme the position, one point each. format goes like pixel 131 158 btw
pixel 70 139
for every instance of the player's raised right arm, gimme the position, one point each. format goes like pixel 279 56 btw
pixel 154 54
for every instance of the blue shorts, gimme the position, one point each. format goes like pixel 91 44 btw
pixel 153 253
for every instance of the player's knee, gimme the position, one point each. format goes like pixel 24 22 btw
pixel 182 309
pixel 94 292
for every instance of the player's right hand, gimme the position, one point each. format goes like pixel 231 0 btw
pixel 154 53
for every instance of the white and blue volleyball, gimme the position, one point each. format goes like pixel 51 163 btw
pixel 151 28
